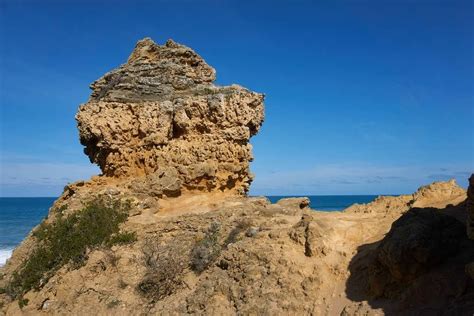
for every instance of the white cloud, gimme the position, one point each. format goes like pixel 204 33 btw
pixel 48 179
pixel 41 179
pixel 353 179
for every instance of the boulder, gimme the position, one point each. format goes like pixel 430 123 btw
pixel 419 240
pixel 294 202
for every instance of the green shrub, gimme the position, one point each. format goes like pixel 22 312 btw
pixel 22 302
pixel 122 238
pixel 67 240
pixel 240 227
pixel 60 210
pixel 206 250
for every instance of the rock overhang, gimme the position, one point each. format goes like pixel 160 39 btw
pixel 160 119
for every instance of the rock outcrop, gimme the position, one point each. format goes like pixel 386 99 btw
pixel 423 261
pixel 160 119
pixel 418 241
pixel 255 257
pixel 437 194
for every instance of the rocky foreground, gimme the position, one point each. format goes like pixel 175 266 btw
pixel 233 255
pixel 168 229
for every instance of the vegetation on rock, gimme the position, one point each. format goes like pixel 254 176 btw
pixel 206 250
pixel 67 240
pixel 164 269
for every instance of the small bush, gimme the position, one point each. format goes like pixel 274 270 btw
pixel 66 241
pixel 112 258
pixel 113 303
pixel 122 238
pixel 22 302
pixel 60 210
pixel 209 91
pixel 165 269
pixel 206 250
pixel 240 227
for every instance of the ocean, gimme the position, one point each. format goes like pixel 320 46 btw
pixel 19 215
pixel 330 202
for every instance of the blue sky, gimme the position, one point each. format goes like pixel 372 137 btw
pixel 362 97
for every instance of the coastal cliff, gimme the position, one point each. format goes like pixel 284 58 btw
pixel 168 229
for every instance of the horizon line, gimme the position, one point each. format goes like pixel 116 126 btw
pixel 250 195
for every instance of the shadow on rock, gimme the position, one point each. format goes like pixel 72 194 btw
pixel 419 267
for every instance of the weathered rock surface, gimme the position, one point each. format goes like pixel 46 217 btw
pixel 437 194
pixel 423 261
pixel 277 258
pixel 160 119
pixel 419 240
pixel 297 202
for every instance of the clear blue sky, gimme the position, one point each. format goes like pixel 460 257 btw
pixel 362 97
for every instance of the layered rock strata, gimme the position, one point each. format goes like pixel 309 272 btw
pixel 160 119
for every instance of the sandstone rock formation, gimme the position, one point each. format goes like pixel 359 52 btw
pixel 423 261
pixel 294 202
pixel 160 119
pixel 419 240
pixel 437 194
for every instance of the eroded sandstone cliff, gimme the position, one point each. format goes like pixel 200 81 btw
pixel 160 119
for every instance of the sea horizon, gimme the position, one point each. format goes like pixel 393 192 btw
pixel 18 215
pixel 250 195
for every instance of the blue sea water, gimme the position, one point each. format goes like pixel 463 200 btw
pixel 331 202
pixel 19 215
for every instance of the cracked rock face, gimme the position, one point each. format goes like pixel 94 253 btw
pixel 160 119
